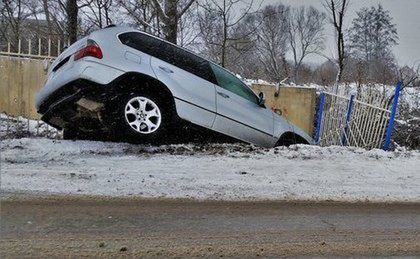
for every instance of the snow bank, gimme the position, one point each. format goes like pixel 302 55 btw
pixel 411 98
pixel 17 127
pixel 209 171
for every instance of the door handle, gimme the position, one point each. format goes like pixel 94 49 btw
pixel 223 95
pixel 167 70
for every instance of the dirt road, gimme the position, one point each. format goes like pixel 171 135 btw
pixel 69 227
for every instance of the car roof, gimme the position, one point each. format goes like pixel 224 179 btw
pixel 123 29
pixel 128 29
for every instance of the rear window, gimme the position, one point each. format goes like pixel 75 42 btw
pixel 169 53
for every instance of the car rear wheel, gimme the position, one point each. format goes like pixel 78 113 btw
pixel 143 115
pixel 141 118
pixel 72 133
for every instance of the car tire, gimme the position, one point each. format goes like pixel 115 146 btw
pixel 71 133
pixel 141 118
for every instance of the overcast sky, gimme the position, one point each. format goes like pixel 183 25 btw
pixel 405 13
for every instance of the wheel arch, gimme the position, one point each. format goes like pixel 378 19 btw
pixel 136 81
pixel 290 138
pixel 124 84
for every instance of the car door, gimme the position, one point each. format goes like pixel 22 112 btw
pixel 188 77
pixel 238 112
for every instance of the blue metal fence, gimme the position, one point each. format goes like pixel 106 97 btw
pixel 348 116
pixel 361 121
pixel 392 117
pixel 319 117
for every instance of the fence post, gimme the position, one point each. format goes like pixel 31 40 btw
pixel 8 124
pixel 392 117
pixel 348 116
pixel 319 118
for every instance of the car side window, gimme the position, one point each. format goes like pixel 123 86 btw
pixel 143 43
pixel 231 83
pixel 193 64
pixel 169 53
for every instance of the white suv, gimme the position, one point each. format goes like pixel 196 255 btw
pixel 136 86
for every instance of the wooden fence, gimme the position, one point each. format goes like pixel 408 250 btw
pixel 20 80
pixel 23 68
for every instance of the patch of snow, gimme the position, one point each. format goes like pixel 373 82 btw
pixel 209 171
pixel 250 82
pixel 16 127
pixel 411 97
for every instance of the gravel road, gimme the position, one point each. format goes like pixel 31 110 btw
pixel 117 227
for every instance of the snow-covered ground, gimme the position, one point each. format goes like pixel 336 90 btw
pixel 209 171
pixel 17 127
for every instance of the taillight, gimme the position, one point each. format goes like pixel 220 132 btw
pixel 90 50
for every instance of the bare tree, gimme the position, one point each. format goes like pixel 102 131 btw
pixel 13 14
pixel 72 11
pixel 188 28
pixel 409 76
pixel 169 13
pixel 272 40
pixel 68 13
pixel 242 56
pixel 163 18
pixel 98 13
pixel 337 10
pixel 46 12
pixel 142 13
pixel 56 17
pixel 305 35
pixel 217 25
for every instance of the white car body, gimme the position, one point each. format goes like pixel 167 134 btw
pixel 201 101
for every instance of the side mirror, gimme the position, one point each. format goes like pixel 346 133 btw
pixel 261 99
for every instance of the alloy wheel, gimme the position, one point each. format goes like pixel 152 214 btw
pixel 143 115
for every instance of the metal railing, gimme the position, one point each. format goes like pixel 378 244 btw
pixel 364 121
pixel 39 49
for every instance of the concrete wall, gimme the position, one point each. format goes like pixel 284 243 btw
pixel 294 103
pixel 20 80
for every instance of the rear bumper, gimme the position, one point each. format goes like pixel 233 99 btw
pixel 87 69
pixel 61 107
